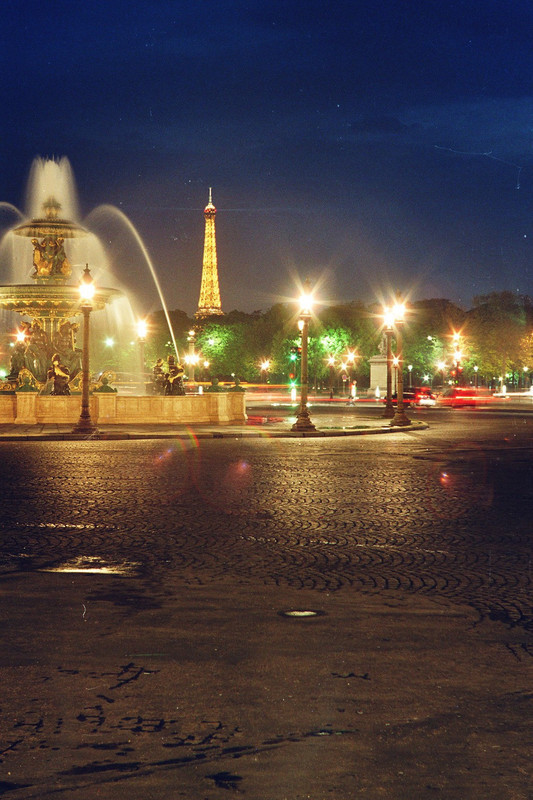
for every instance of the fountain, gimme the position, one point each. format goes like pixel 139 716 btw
pixel 52 301
pixel 50 304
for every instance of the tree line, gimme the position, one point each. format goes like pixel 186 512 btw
pixel 441 342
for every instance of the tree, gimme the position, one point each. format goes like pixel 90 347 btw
pixel 499 325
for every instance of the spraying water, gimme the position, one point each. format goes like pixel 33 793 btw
pixel 11 207
pixel 116 212
pixel 49 176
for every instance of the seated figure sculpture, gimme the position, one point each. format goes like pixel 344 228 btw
pixel 37 355
pixel 158 377
pixel 60 375
pixel 65 347
pixel 174 378
pixel 17 360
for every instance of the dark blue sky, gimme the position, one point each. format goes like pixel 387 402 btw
pixel 371 145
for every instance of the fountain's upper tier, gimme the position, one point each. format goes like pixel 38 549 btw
pixel 50 224
pixel 51 299
pixel 49 257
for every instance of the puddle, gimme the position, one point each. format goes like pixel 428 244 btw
pixel 301 613
pixel 93 565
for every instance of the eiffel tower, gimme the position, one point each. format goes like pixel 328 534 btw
pixel 209 302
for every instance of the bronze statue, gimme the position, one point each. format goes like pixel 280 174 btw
pixel 60 374
pixel 49 257
pixel 174 378
pixel 64 341
pixel 158 377
pixel 38 351
pixel 18 360
pixel 65 337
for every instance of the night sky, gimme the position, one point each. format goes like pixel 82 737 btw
pixel 369 145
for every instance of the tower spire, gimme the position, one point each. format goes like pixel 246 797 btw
pixel 209 302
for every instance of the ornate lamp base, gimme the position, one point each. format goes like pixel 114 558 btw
pixel 389 411
pixel 303 422
pixel 85 426
pixel 400 418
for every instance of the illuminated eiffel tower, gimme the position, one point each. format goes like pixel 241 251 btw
pixel 209 302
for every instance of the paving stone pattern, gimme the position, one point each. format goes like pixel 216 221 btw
pixel 453 524
pixel 412 684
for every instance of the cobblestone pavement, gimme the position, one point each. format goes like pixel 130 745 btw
pixel 434 523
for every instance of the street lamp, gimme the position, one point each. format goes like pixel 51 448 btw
pixel 344 376
pixel 85 424
pixel 400 417
pixel 331 365
pixel 442 367
pixel 350 361
pixel 395 362
pixel 388 321
pixel 192 360
pixel 265 366
pixel 303 421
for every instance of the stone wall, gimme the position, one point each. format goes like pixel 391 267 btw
pixel 29 408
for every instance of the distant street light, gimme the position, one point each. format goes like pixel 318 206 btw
pixel 331 365
pixel 192 359
pixel 395 362
pixel 344 376
pixel 400 417
pixel 85 424
pixel 303 421
pixel 388 321
pixel 442 367
pixel 264 366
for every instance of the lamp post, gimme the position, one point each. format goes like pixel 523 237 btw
pixel 141 338
pixel 331 364
pixel 395 362
pixel 303 421
pixel 388 320
pixel 442 367
pixel 85 424
pixel 400 417
pixel 192 360
pixel 344 376
pixel 265 366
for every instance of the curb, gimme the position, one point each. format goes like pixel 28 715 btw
pixel 218 434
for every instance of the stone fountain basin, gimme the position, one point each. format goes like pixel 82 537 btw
pixel 30 408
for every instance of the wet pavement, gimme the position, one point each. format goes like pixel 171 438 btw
pixel 147 647
pixel 262 421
